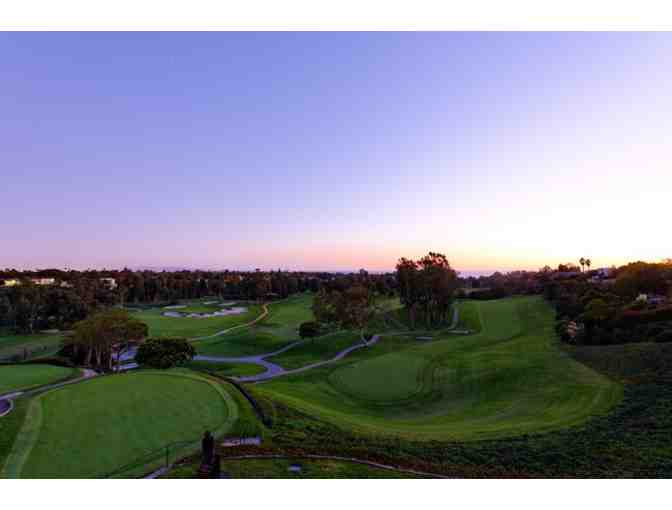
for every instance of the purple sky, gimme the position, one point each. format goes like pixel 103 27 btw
pixel 333 151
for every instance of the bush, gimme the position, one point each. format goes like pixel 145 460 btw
pixel 646 316
pixel 309 329
pixel 165 352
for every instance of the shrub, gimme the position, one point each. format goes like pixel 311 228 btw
pixel 165 352
pixel 309 329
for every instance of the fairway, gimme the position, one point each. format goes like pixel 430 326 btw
pixel 277 329
pixel 91 428
pixel 37 345
pixel 508 379
pixel 23 377
pixel 191 327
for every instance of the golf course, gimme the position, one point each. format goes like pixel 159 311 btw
pixel 273 331
pixel 95 427
pixel 508 379
pixel 495 372
pixel 162 324
pixel 24 377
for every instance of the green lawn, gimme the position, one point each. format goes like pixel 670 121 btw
pixel 23 377
pixel 317 349
pixel 509 379
pixel 190 327
pixel 227 369
pixel 95 427
pixel 37 345
pixel 468 316
pixel 277 329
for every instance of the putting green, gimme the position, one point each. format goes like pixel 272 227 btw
pixel 507 380
pixel 95 427
pixel 22 377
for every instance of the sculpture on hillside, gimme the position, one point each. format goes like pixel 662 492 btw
pixel 207 448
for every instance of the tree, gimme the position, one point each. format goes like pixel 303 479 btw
pixel 587 262
pixel 582 261
pixel 356 309
pixel 96 338
pixel 165 352
pixel 309 329
pixel 427 286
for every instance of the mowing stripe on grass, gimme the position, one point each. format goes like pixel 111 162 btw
pixel 25 440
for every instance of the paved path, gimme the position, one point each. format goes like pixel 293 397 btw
pixel 228 330
pixel 130 353
pixel 273 370
pixel 6 399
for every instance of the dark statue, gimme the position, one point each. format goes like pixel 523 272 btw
pixel 208 448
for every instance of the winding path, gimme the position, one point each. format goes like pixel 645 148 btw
pixel 6 404
pixel 273 370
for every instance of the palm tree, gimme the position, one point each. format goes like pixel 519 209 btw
pixel 582 261
pixel 587 262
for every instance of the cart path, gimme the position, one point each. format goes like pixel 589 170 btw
pixel 6 400
pixel 273 370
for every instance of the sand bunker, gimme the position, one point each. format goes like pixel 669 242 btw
pixel 173 307
pixel 236 310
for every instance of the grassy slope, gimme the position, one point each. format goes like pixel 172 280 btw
pixel 161 326
pixel 227 369
pixel 40 344
pixel 22 377
pixel 275 331
pixel 96 426
pixel 318 349
pixel 279 468
pixel 510 379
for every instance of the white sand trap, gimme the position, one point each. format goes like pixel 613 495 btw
pixel 228 303
pixel 210 302
pixel 174 307
pixel 237 310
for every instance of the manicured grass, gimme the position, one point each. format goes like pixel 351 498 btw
pixel 317 349
pixel 279 468
pixel 10 425
pixel 468 316
pixel 631 441
pixel 227 369
pixel 190 327
pixel 277 329
pixel 509 379
pixel 95 427
pixel 23 377
pixel 37 345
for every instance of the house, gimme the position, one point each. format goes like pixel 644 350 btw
pixel 43 281
pixel 109 283
pixel 12 282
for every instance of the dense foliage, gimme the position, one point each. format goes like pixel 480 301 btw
pixel 165 352
pixel 633 306
pixel 99 340
pixel 426 288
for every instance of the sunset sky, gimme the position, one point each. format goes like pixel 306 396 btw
pixel 335 151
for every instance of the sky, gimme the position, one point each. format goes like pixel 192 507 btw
pixel 334 151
